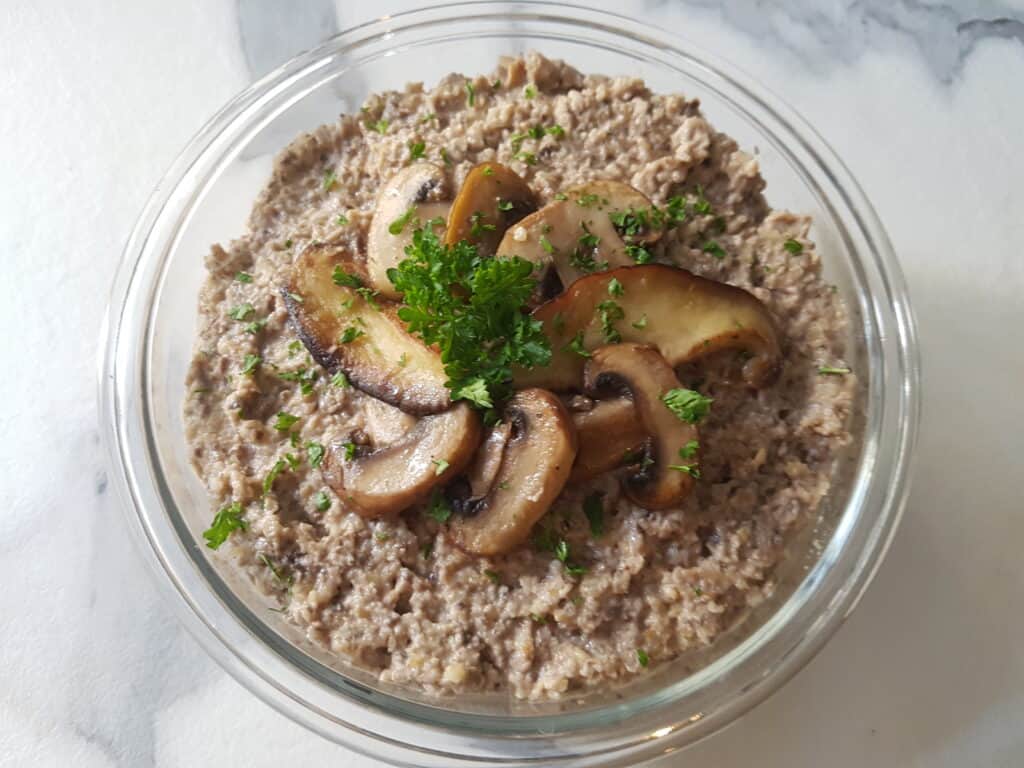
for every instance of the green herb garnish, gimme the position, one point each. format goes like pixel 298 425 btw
pixel 440 465
pixel 615 287
pixel 439 508
pixel 593 508
pixel 687 405
pixel 399 224
pixel 494 576
pixel 381 126
pixel 639 254
pixel 340 380
pixel 350 334
pixel 712 248
pixel 350 450
pixel 417 149
pixel 530 91
pixel 689 450
pixel 470 94
pixel 828 370
pixel 322 501
pixel 251 363
pixel 330 179
pixel 576 345
pixel 241 312
pixel 226 521
pixel 345 279
pixel 285 421
pixel 642 657
pixel 640 324
pixel 277 469
pixel 527 157
pixel 256 326
pixel 610 312
pixel 471 308
pixel 314 454
pixel 243 277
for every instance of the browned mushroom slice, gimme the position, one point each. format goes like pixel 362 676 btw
pixel 346 329
pixel 640 373
pixel 616 197
pixel 576 236
pixel 535 466
pixel 684 316
pixel 387 480
pixel 492 198
pixel 412 197
pixel 607 434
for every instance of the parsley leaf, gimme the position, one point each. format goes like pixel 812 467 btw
pixel 251 363
pixel 576 345
pixel 345 279
pixel 527 157
pixel 350 334
pixel 470 94
pixel 381 126
pixel 610 313
pixel 615 287
pixel 243 277
pixel 712 248
pixel 277 469
pixel 687 405
pixel 593 508
pixel 690 469
pixel 256 326
pixel 444 156
pixel 340 380
pixel 330 179
pixel 322 501
pixel 642 657
pixel 241 312
pixel 417 149
pixel 439 508
pixel 350 450
pixel 640 324
pixel 530 91
pixel 471 308
pixel 688 450
pixel 440 465
pixel 226 521
pixel 314 453
pixel 639 254
pixel 399 224
pixel 285 421
pixel 546 244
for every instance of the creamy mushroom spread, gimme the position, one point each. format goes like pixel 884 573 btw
pixel 516 384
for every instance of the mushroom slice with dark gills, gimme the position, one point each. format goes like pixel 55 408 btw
pixel 681 314
pixel 492 198
pixel 536 459
pixel 386 480
pixel 346 329
pixel 419 195
pixel 608 434
pixel 641 374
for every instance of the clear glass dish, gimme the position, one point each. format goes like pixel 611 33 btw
pixel 205 198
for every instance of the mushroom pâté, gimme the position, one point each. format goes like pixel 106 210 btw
pixel 646 305
pixel 386 480
pixel 639 373
pixel 536 458
pixel 415 196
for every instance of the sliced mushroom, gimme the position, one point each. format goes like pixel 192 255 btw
pixel 387 480
pixel 607 434
pixel 641 374
pixel 382 359
pixel 492 198
pixel 484 469
pixel 684 316
pixel 575 236
pixel 535 466
pixel 414 195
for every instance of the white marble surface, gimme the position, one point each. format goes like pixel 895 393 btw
pixel 922 99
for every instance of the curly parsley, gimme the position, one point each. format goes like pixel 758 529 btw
pixel 687 405
pixel 225 522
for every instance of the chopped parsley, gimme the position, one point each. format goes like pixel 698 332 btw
pixel 555 130
pixel 479 326
pixel 399 224
pixel 615 287
pixel 470 94
pixel 305 377
pixel 277 469
pixel 530 91
pixel 225 522
pixel 527 157
pixel 342 220
pixel 330 179
pixel 576 345
pixel 243 277
pixel 251 363
pixel 488 171
pixel 241 312
pixel 712 248
pixel 444 156
pixel 505 205
pixel 281 578
pixel 439 508
pixel 561 196
pixel 640 324
pixel 417 149
pixel 516 140
pixel 296 298
pixel 828 370
pixel 428 117
pixel 256 326
pixel 494 576
pixel 689 450
pixel 687 405
pixel 593 508
pixel 381 126
pixel 689 469
pixel 340 380
pixel 639 254
pixel 285 421
pixel 345 279
pixel 702 206
pixel 546 244
pixel 322 501
pixel 477 226
pixel 350 334
pixel 440 465
pixel 314 454
pixel 642 658
pixel 294 347
pixel 562 553
pixel 350 450
pixel 610 312
pixel 587 200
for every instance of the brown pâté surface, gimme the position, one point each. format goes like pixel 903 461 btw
pixel 394 596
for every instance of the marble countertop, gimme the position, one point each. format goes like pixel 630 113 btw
pixel 921 98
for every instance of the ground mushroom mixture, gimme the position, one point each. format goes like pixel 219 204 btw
pixel 517 384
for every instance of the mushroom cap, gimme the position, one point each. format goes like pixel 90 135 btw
pixel 535 466
pixel 387 480
pixel 491 198
pixel 640 373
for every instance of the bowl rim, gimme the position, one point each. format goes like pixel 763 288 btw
pixel 571 738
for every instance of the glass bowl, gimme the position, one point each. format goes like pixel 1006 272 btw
pixel 205 198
